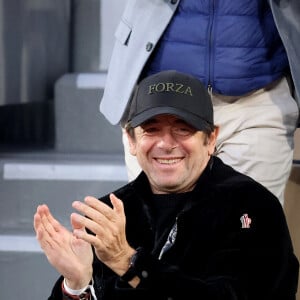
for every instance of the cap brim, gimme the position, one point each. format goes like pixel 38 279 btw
pixel 188 117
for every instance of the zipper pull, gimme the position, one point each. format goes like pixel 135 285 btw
pixel 209 89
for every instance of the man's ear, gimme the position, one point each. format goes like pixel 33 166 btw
pixel 132 144
pixel 213 140
pixel 216 132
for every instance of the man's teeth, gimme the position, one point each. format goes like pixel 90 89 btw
pixel 168 161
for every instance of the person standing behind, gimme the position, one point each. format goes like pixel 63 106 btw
pixel 189 226
pixel 235 49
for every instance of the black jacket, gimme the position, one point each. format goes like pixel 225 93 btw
pixel 212 257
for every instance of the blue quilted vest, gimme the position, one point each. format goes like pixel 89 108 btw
pixel 231 45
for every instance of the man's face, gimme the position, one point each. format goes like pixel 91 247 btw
pixel 172 153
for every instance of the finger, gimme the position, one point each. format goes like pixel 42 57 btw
pixel 76 222
pixel 37 225
pixel 38 222
pixel 94 209
pixel 101 236
pixel 100 206
pixel 50 223
pixel 117 204
pixel 41 210
pixel 83 235
pixel 52 234
pixel 37 219
pixel 82 222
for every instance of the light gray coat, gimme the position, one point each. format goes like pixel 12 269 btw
pixel 143 22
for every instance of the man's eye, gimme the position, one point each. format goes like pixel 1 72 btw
pixel 150 129
pixel 182 131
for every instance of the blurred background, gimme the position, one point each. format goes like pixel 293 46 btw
pixel 55 146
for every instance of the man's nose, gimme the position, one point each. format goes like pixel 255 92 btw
pixel 167 141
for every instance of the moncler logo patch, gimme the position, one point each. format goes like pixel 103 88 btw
pixel 245 220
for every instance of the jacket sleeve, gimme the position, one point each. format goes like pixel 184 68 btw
pixel 287 18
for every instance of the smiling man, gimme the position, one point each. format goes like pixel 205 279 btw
pixel 174 135
pixel 189 226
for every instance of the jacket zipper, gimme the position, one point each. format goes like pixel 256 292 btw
pixel 210 48
pixel 170 240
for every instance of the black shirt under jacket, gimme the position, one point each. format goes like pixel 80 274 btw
pixel 230 241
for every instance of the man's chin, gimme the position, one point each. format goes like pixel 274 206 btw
pixel 168 185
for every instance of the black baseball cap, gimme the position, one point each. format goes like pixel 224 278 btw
pixel 175 93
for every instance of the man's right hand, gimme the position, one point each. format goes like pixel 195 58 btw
pixel 70 256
